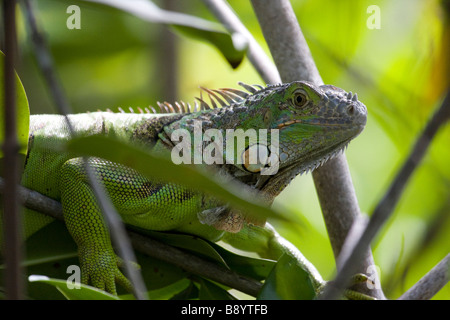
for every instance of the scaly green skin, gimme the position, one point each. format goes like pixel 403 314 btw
pixel 314 123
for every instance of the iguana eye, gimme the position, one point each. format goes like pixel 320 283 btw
pixel 299 99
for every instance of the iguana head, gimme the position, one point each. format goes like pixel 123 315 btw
pixel 313 123
pixel 306 125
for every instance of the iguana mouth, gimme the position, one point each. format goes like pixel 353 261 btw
pixel 337 148
pixel 264 182
pixel 328 124
pixel 288 123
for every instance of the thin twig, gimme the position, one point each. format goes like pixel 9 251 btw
pixel 12 221
pixel 153 248
pixel 385 207
pixel 332 181
pixel 118 233
pixel 168 64
pixel 45 61
pixel 431 283
pixel 225 14
pixel 36 201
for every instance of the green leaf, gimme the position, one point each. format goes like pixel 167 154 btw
pixel 52 261
pixel 211 291
pixel 233 47
pixel 158 274
pixel 287 281
pixel 84 292
pixel 189 242
pixel 169 291
pixel 191 292
pixel 49 260
pixel 164 293
pixel 40 253
pixel 22 109
pixel 164 169
pixel 256 268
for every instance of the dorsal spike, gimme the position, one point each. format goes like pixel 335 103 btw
pixel 203 104
pixel 162 107
pixel 120 110
pixel 236 92
pixel 109 110
pixel 228 97
pixel 211 93
pixel 140 110
pixel 231 95
pixel 179 108
pixel 172 110
pixel 196 106
pixel 213 103
pixel 131 109
pixel 247 87
pixel 186 107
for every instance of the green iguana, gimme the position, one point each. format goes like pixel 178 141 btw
pixel 312 123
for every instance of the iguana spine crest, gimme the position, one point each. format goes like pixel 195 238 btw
pixel 215 96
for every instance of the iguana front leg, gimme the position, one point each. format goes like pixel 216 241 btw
pixel 140 202
pixel 85 222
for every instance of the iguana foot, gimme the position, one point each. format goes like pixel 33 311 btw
pixel 350 294
pixel 100 268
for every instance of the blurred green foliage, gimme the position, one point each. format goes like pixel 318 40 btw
pixel 400 71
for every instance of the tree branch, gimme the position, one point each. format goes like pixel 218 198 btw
pixel 385 207
pixel 153 248
pixel 333 182
pixel 195 264
pixel 431 283
pixel 286 41
pixel 263 65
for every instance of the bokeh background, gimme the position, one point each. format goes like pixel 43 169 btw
pixel 400 71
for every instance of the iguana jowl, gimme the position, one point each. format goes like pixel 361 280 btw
pixel 313 123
